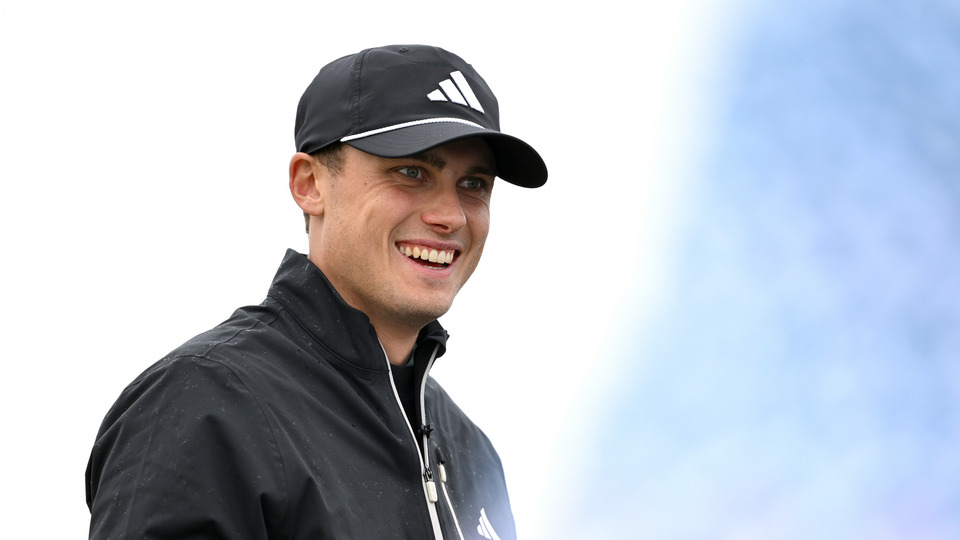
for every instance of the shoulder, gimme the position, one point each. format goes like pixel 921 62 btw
pixel 209 375
pixel 185 409
pixel 188 427
pixel 182 395
pixel 227 353
pixel 196 422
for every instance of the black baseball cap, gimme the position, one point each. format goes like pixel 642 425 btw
pixel 401 100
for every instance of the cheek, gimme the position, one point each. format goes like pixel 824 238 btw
pixel 479 219
pixel 480 236
pixel 371 217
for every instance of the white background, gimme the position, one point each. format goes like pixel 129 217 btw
pixel 143 159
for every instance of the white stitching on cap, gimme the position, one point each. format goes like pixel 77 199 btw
pixel 409 124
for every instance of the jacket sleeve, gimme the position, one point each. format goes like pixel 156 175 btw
pixel 185 453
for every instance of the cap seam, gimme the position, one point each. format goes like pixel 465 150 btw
pixel 358 88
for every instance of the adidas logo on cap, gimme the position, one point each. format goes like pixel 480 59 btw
pixel 456 90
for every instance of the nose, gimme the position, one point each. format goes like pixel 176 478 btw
pixel 443 211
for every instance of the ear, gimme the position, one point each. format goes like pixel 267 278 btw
pixel 304 183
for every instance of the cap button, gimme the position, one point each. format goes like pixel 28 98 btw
pixel 403 49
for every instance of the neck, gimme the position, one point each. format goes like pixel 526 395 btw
pixel 397 344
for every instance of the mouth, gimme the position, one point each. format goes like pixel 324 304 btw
pixel 428 256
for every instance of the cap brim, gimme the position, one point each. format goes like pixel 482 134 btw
pixel 517 161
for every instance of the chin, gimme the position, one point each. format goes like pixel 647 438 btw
pixel 428 311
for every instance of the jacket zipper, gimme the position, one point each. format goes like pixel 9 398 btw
pixel 426 475
pixel 425 431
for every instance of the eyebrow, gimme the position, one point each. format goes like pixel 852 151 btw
pixel 439 164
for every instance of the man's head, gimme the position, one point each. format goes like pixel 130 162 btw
pixel 398 148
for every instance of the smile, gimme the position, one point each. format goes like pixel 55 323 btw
pixel 428 254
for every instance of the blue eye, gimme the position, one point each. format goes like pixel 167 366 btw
pixel 473 184
pixel 410 172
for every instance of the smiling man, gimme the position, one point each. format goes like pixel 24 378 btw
pixel 313 414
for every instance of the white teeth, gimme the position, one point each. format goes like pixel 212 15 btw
pixel 431 255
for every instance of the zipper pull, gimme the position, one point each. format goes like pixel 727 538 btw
pixel 431 486
pixel 442 472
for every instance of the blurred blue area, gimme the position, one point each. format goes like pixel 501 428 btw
pixel 802 379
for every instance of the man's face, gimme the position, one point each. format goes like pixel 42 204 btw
pixel 398 238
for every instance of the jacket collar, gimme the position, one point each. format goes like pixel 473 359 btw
pixel 332 325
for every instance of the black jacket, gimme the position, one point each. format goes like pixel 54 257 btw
pixel 285 422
